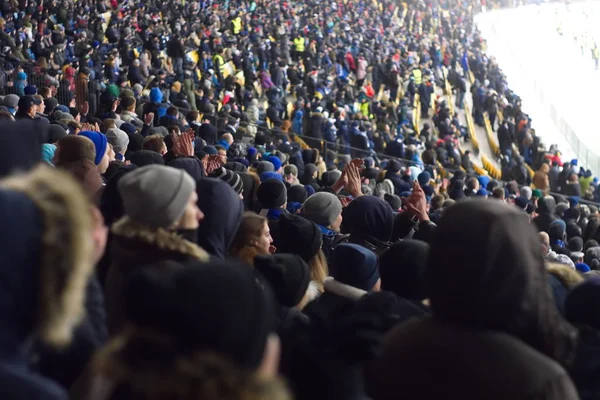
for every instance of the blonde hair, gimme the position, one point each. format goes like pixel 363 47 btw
pixel 318 269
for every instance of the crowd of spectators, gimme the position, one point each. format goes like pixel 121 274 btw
pixel 226 199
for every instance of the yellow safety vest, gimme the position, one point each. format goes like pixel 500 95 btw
pixel 299 44
pixel 221 63
pixel 596 53
pixel 418 75
pixel 237 26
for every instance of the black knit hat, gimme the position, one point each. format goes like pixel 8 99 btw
pixel 297 193
pixel 229 177
pixel 272 194
pixel 146 157
pixel 403 267
pixel 288 275
pixel 299 236
pixel 217 306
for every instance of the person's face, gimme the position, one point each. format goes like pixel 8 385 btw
pixel 336 225
pixel 264 240
pixel 191 215
pixel 223 156
pixel 103 166
pixel 41 108
pixel 163 149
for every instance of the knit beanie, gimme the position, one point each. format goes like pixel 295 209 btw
pixel 403 267
pixel 297 194
pixel 355 266
pixel 229 177
pixel 322 208
pixel 272 194
pixel 55 133
pixel 575 244
pixel 424 178
pixel 100 143
pixel 288 275
pixel 582 267
pixel 146 157
pixel 582 304
pixel 156 195
pixel 265 176
pixel 275 161
pixel 118 138
pixel 290 170
pixel 526 192
pixel 264 166
pixel 537 193
pixel 299 236
pixel 219 306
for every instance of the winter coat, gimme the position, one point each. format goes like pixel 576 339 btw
pixel 43 285
pixel 316 126
pixel 369 222
pixel 222 209
pixel 66 365
pixel 134 247
pixel 572 189
pixel 175 49
pixel 361 70
pixel 188 88
pixel 586 366
pixel 208 133
pixel 491 305
pixel 546 210
pixel 540 178
pixel 417 350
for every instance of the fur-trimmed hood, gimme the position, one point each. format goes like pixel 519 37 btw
pixel 136 246
pixel 568 276
pixel 47 257
pixel 159 244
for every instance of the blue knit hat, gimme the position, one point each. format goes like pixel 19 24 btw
pixel 265 176
pixel 30 90
pixel 355 266
pixel 210 150
pixel 100 143
pixel 424 178
pixel 275 161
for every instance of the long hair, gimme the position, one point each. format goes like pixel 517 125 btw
pixel 244 243
pixel 318 269
pixel 147 365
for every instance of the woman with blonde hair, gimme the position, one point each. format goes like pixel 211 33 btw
pixel 253 238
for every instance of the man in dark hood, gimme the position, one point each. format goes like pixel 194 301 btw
pixel 369 222
pixel 546 211
pixel 490 302
pixel 222 208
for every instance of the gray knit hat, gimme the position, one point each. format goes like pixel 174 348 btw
pixel 11 100
pixel 322 208
pixel 118 138
pixel 156 195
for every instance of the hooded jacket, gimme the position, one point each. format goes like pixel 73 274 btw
pixel 490 303
pixel 369 221
pixel 223 209
pixel 133 247
pixel 546 208
pixel 48 263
